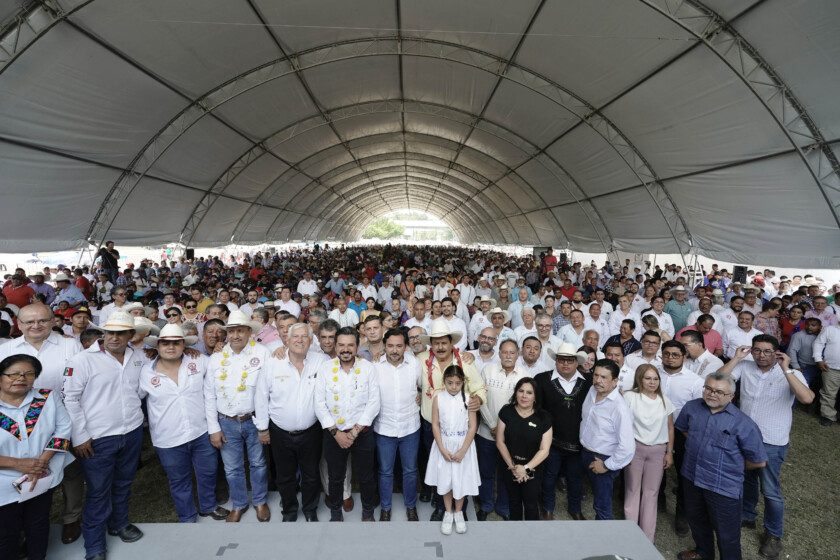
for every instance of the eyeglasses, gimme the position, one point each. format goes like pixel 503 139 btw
pixel 170 342
pixel 170 315
pixel 15 376
pixel 36 321
pixel 190 306
pixel 715 392
pixel 671 355
pixel 760 352
pixel 566 359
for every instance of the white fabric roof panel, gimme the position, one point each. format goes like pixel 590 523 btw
pixel 683 138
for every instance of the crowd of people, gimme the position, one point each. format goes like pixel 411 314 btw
pixel 440 373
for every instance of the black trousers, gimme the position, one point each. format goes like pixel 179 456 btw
pixel 361 454
pixel 33 518
pixel 291 452
pixel 713 515
pixel 679 455
pixel 524 497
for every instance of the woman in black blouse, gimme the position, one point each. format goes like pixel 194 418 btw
pixel 523 437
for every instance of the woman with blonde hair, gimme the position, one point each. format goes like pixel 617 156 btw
pixel 653 428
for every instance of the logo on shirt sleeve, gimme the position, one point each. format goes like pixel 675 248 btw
pixel 68 372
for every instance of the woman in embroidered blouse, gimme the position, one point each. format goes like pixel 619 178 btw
pixel 34 440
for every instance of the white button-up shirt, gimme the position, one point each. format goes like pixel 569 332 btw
pixel 570 335
pixel 827 347
pixel 344 399
pixel 347 319
pixel 291 306
pixel 175 409
pixel 54 353
pixel 481 362
pixel 606 427
pixel 705 364
pixel 728 320
pixel 541 365
pixel 286 396
pixel 569 385
pixel 681 387
pixel 399 412
pixel 499 390
pixel 307 287
pixel 102 395
pixel 768 399
pixel 456 324
pixel 733 338
pixel 666 323
pixel 634 360
pixel 231 382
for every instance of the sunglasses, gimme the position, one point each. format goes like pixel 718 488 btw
pixel 170 315
pixel 190 306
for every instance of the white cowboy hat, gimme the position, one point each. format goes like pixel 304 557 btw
pixel 497 311
pixel 749 287
pixel 118 321
pixel 142 324
pixel 61 277
pixel 439 328
pixel 240 319
pixel 488 298
pixel 566 349
pixel 170 332
pixel 129 307
pixel 678 289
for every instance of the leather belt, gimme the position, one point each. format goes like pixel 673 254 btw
pixel 243 418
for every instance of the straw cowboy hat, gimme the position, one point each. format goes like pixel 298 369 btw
pixel 170 332
pixel 61 277
pixel 118 321
pixel 240 319
pixel 142 324
pixel 489 299
pixel 499 311
pixel 566 349
pixel 439 328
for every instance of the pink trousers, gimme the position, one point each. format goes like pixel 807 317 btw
pixel 641 486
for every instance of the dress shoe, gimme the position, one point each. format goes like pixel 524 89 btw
pixel 411 514
pixel 385 515
pixel 235 515
pixel 289 517
pixel 481 515
pixel 689 555
pixel 578 516
pixel 425 494
pixel 336 515
pixel 367 516
pixel 128 534
pixel 263 513
pixel 348 504
pixel 70 532
pixel 681 525
pixel 218 514
pixel 437 515
pixel 771 548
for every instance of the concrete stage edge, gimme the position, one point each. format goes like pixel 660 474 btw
pixel 353 540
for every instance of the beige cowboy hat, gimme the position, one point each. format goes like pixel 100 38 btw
pixel 566 349
pixel 439 328
pixel 240 319
pixel 118 321
pixel 488 298
pixel 170 332
pixel 61 277
pixel 142 324
pixel 497 311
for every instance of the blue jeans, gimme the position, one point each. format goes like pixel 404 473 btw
pixel 109 474
pixel 602 484
pixel 569 463
pixel 492 469
pixel 387 447
pixel 179 463
pixel 710 514
pixel 769 478
pixel 242 437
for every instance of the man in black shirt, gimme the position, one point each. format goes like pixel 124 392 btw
pixel 110 260
pixel 562 392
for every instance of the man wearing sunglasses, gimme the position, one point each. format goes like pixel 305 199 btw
pixel 769 387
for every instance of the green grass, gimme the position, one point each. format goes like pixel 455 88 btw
pixel 810 481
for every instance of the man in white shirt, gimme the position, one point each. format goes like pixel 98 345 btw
pixel 499 379
pixel 742 335
pixel 606 307
pixel 397 427
pixel 119 296
pixel 769 388
pixel 441 289
pixel 573 332
pixel 531 361
pixel 342 314
pixel 597 322
pixel 515 308
pixel 666 323
pixel 467 290
pixel 285 412
pixel 385 294
pixel 307 286
pixel 346 403
pixel 455 324
pixel 419 318
pixel 729 317
pixel 480 320
pixel 547 340
pixel 680 384
pixel 101 394
pixel 649 354
pixel 173 385
pixel 626 376
pixel 286 303
pixel 229 389
pixel 606 435
pixel 486 352
pixel 367 289
pixel 461 310
pixel 827 358
pixel 699 359
pixel 251 303
pixel 528 327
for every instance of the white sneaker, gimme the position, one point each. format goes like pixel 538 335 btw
pixel 446 524
pixel 460 523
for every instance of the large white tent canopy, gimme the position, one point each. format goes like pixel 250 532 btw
pixel 656 126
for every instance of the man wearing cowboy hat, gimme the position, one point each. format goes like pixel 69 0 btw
pixel 499 317
pixel 678 308
pixel 67 291
pixel 480 320
pixel 173 384
pixel 101 394
pixel 432 363
pixel 42 288
pixel 561 392
pixel 229 390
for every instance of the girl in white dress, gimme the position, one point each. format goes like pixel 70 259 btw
pixel 453 463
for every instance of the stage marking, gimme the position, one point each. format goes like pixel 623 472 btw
pixel 438 548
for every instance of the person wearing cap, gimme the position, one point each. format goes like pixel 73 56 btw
pixel 101 393
pixel 678 308
pixel 67 291
pixel 80 320
pixel 173 385
pixel 229 391
pixel 337 284
pixel 561 392
pixel 40 287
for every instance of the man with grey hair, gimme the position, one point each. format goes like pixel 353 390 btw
pixel 721 442
pixel 415 343
pixel 515 308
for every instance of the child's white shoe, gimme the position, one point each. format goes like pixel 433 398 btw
pixel 460 523
pixel 446 524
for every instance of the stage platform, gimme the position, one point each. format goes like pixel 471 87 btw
pixel 353 540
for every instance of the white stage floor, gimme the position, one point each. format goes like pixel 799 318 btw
pixel 352 540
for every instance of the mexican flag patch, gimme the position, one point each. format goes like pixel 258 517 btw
pixel 68 372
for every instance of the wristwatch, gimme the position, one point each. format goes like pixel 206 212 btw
pixel 333 431
pixel 529 471
pixel 789 371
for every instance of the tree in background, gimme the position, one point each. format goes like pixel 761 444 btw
pixel 383 228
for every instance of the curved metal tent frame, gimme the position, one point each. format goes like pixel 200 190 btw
pixel 648 126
